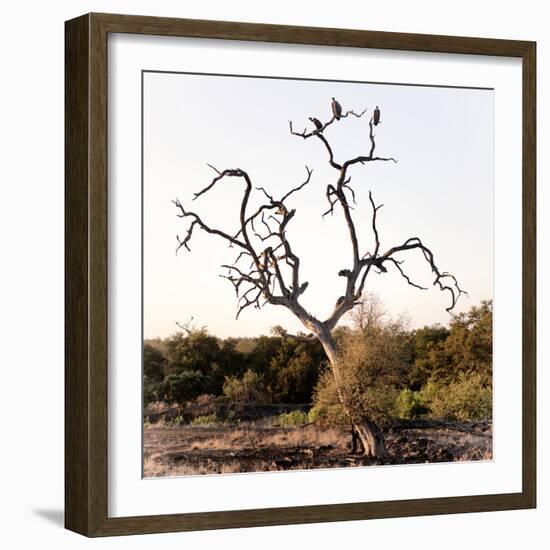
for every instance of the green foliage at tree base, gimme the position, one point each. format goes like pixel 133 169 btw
pixel 325 415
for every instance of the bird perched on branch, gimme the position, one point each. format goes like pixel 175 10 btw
pixel 340 300
pixel 376 116
pixel 317 123
pixel 336 109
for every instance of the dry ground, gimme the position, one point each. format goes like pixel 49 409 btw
pixel 257 447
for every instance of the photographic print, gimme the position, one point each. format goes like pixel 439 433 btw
pixel 317 263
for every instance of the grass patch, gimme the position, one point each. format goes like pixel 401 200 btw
pixel 292 419
pixel 205 420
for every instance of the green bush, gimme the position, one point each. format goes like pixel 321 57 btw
pixel 409 404
pixel 466 399
pixel 292 419
pixel 183 386
pixel 154 363
pixel 205 420
pixel 374 358
pixel 325 415
pixel 152 391
pixel 177 420
pixel 248 388
pixel 327 409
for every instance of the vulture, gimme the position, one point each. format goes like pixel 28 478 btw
pixel 336 109
pixel 317 123
pixel 376 116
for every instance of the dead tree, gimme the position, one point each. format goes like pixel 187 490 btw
pixel 266 269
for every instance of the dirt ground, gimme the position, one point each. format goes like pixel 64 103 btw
pixel 177 450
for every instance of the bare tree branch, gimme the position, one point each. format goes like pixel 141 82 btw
pixel 264 277
pixel 273 271
pixel 189 327
pixel 444 280
pixel 324 126
pixel 197 221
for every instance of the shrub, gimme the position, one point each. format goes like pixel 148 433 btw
pixel 327 409
pixel 373 359
pixel 248 388
pixel 154 363
pixel 207 419
pixel 466 399
pixel 151 390
pixel 183 386
pixel 174 421
pixel 409 404
pixel 292 419
pixel 328 415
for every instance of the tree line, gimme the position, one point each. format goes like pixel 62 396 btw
pixel 388 369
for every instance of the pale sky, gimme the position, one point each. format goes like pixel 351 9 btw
pixel 441 190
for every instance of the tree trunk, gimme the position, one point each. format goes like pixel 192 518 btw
pixel 371 438
pixel 363 429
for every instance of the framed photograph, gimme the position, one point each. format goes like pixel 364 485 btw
pixel 300 275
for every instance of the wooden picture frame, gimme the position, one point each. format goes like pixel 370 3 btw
pixel 86 282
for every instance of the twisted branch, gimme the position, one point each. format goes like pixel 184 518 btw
pixel 268 265
pixel 362 264
pixel 264 276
